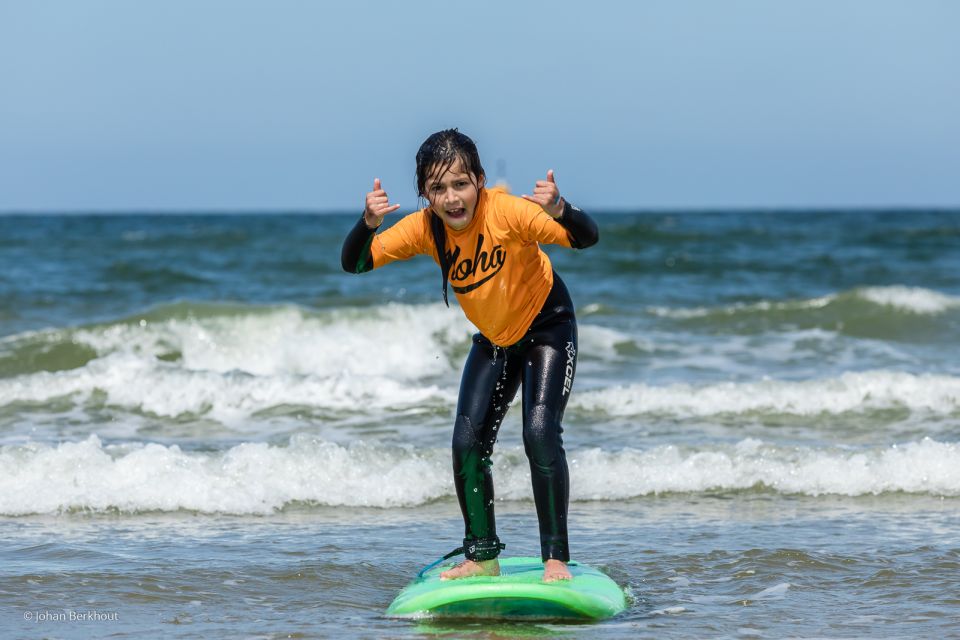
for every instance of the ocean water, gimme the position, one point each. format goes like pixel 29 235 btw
pixel 207 429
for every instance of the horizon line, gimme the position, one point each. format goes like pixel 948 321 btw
pixel 225 211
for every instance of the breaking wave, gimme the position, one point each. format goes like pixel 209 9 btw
pixel 258 478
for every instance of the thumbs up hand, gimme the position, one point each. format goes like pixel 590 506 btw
pixel 547 195
pixel 378 205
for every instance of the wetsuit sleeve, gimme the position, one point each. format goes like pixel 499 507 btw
pixel 582 229
pixel 355 256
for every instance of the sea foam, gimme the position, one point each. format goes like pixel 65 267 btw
pixel 913 300
pixel 159 388
pixel 229 364
pixel 145 385
pixel 258 478
pixel 383 340
pixel 849 392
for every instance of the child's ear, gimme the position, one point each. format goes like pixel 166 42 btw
pixel 482 181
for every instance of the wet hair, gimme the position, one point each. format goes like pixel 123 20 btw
pixel 436 155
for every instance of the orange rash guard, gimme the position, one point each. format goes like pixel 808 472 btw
pixel 497 269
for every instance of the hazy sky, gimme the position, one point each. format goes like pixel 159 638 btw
pixel 232 105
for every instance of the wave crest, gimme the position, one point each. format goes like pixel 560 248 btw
pixel 911 314
pixel 257 478
pixel 850 392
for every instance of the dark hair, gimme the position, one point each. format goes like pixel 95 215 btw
pixel 440 151
pixel 435 156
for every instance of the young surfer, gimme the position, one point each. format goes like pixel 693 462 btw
pixel 486 243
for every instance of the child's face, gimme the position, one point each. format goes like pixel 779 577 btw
pixel 453 196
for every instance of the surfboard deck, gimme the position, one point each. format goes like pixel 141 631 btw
pixel 517 593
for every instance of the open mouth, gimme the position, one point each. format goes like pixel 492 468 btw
pixel 456 213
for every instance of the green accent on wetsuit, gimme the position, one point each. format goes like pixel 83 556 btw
pixel 477 487
pixel 355 256
pixel 365 261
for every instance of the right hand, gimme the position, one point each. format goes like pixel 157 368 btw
pixel 378 205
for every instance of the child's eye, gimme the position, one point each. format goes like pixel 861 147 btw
pixel 461 184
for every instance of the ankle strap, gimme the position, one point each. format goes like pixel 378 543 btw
pixel 482 548
pixel 477 550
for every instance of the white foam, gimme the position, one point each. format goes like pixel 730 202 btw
pixel 776 592
pixel 232 365
pixel 681 313
pixel 395 340
pixel 165 389
pixel 227 365
pixel 916 300
pixel 912 299
pixel 247 479
pixel 918 467
pixel 668 611
pixel 852 391
pixel 134 383
pixel 257 478
pixel 601 342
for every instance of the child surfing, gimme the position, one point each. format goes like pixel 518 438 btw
pixel 487 244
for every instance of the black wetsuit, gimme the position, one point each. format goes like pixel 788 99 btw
pixel 544 362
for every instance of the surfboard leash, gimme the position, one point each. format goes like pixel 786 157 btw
pixel 455 552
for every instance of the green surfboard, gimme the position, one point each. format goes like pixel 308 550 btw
pixel 517 593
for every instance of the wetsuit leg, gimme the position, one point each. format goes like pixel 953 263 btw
pixel 490 381
pixel 549 368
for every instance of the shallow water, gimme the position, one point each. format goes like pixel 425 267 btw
pixel 751 565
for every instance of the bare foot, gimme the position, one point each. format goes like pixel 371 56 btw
pixel 555 570
pixel 469 568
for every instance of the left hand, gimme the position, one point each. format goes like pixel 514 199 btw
pixel 547 195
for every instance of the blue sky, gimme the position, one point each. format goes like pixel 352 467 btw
pixel 232 105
